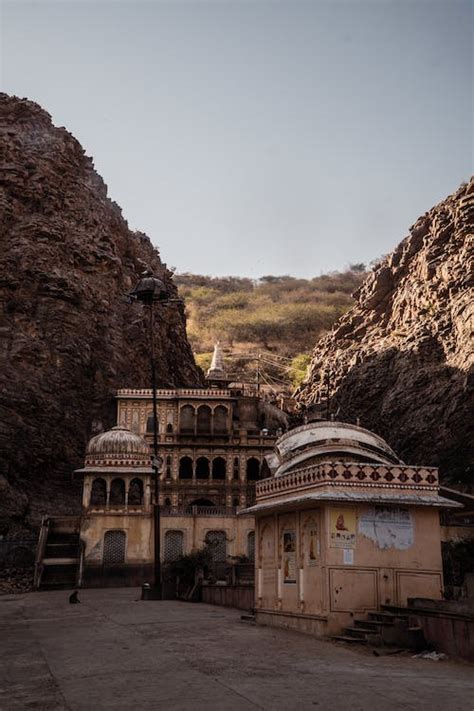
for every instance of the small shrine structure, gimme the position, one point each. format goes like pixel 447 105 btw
pixel 343 526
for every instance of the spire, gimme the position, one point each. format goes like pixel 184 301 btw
pixel 217 370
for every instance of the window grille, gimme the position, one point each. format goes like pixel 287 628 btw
pixel 251 545
pixel 173 545
pixel 114 547
pixel 217 542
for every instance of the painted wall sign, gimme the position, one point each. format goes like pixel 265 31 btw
pixel 289 556
pixel 342 528
pixel 388 527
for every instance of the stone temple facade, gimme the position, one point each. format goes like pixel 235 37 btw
pixel 212 444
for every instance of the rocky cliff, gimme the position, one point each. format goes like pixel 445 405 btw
pixel 68 336
pixel 401 359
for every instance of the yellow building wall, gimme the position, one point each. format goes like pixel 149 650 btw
pixel 139 534
pixel 337 560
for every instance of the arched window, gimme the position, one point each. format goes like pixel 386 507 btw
pixel 173 545
pixel 202 468
pixel 114 547
pixel 251 545
pixel 135 493
pixel 168 502
pixel 117 493
pixel 253 469
pixel 185 468
pixel 169 428
pixel 217 544
pixel 204 420
pixel 218 468
pixel 98 493
pixel 235 501
pixel 168 467
pixel 236 468
pixel 220 420
pixel 149 424
pixel 186 420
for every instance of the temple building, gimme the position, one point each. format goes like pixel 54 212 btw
pixel 343 526
pixel 212 444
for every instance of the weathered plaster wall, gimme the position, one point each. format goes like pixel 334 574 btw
pixel 334 577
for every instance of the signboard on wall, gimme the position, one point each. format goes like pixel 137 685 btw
pixel 342 532
pixel 289 556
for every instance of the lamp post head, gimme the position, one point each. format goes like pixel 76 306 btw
pixel 149 289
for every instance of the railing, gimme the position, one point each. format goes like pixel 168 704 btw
pixel 40 551
pixel 199 511
pixel 80 567
pixel 380 476
pixel 173 393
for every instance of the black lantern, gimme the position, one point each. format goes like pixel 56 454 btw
pixel 149 290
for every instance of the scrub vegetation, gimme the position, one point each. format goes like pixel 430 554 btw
pixel 281 317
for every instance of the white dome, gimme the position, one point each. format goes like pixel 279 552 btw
pixel 118 442
pixel 329 441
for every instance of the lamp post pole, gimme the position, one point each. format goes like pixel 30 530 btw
pixel 149 291
pixel 157 591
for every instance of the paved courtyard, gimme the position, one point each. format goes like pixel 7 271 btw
pixel 115 652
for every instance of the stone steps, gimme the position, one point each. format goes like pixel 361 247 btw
pixel 386 627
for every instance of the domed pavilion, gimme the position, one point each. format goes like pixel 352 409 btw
pixel 343 526
pixel 116 523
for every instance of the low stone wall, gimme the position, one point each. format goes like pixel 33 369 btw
pixel 116 576
pixel 241 597
pixel 448 626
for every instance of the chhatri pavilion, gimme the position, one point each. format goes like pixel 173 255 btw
pixel 342 526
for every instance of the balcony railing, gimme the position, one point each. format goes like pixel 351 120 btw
pixel 199 511
pixel 350 474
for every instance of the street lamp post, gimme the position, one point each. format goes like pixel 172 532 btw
pixel 149 291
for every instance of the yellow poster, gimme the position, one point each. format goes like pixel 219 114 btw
pixel 342 528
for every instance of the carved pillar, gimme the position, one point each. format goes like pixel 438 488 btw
pixel 86 493
pixel 147 494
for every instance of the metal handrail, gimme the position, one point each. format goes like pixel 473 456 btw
pixel 40 551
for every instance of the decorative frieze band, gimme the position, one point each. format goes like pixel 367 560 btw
pixel 350 474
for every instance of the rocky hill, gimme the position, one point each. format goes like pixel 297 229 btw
pixel 401 359
pixel 68 336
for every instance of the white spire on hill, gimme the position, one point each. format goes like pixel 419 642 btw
pixel 217 370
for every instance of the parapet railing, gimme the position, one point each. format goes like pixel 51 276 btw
pixel 178 392
pixel 40 551
pixel 199 511
pixel 350 474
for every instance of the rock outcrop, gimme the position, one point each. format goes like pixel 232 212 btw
pixel 401 359
pixel 68 336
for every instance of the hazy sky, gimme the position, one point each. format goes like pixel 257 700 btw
pixel 255 138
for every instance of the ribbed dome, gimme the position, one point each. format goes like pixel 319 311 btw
pixel 118 441
pixel 328 441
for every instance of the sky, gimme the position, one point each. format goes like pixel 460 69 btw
pixel 254 138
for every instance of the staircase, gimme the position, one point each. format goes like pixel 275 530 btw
pixel 58 559
pixel 386 627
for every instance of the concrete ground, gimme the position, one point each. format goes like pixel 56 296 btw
pixel 114 652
